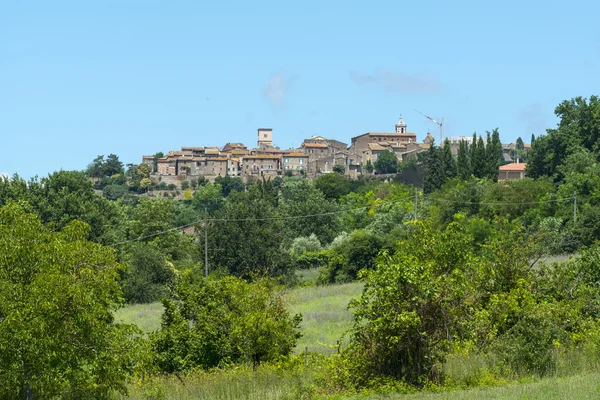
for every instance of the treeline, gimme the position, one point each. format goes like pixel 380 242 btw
pixel 447 269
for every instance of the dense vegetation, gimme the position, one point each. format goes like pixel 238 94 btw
pixel 448 270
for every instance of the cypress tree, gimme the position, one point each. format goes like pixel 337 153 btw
pixel 434 170
pixel 448 159
pixel 463 161
pixel 478 162
pixel 496 155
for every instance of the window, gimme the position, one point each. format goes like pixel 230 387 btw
pixel 301 161
pixel 287 160
pixel 265 136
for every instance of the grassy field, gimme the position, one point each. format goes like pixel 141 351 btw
pixel 325 313
pixel 145 316
pixel 577 387
pixel 326 317
pixel 268 384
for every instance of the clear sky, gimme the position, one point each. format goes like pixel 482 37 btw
pixel 133 77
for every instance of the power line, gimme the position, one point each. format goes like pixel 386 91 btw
pixel 502 202
pixel 259 219
pixel 292 217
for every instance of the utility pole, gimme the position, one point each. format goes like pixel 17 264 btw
pixel 575 207
pixel 206 243
pixel 416 199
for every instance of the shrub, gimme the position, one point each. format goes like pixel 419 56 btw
pixel 212 323
pixel 302 245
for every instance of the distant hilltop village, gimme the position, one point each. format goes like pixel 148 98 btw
pixel 316 155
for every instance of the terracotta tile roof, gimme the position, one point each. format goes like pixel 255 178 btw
pixel 409 134
pixel 376 147
pixel 180 153
pixel 295 155
pixel 192 148
pixel 147 157
pixel 513 167
pixel 319 145
pixel 261 156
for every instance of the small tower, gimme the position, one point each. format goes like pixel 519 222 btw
pixel 400 125
pixel 265 138
pixel 428 139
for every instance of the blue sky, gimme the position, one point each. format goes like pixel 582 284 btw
pixel 83 78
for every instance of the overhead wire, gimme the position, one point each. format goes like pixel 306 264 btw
pixel 292 217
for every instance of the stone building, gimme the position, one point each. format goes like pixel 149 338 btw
pixel 296 163
pixel 369 145
pixel 260 165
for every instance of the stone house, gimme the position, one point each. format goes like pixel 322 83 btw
pixel 297 163
pixel 512 171
pixel 260 165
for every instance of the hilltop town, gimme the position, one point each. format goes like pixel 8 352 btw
pixel 316 155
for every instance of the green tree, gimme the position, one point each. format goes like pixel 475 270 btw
pixel 333 186
pixel 208 197
pixel 579 126
pixel 339 168
pixel 113 166
pixel 448 160
pixel 68 195
pixel 228 184
pixel 494 155
pixel 386 163
pixel 152 222
pixel 211 323
pixel 302 198
pixel 246 235
pixel 412 303
pixel 463 161
pixel 478 158
pixel 435 175
pixel 96 168
pixel 351 254
pixel 59 294
pixel 369 166
pixel 148 276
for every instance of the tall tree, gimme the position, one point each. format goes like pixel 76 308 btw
pixel 434 170
pixel 478 161
pixel 113 165
pixel 448 159
pixel 494 155
pixel 463 161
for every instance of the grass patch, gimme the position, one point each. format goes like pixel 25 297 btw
pixel 145 316
pixel 577 387
pixel 325 313
pixel 324 310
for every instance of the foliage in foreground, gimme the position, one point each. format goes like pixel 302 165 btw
pixel 431 297
pixel 59 293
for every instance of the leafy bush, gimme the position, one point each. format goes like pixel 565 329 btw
pixel 302 245
pixel 215 323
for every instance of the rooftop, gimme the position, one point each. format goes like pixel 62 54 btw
pixel 319 145
pixel 513 167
